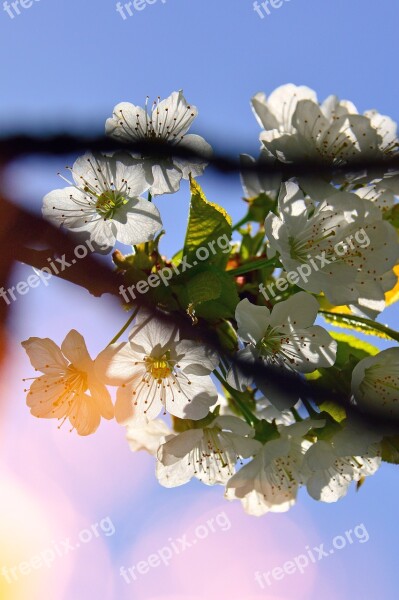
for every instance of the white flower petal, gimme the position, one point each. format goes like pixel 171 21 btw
pixel 136 404
pixel 116 363
pixel 148 437
pixel 75 349
pixel 166 178
pixel 45 355
pixel 299 311
pixel 137 222
pixel 61 207
pixel 151 334
pixel 101 396
pixel 126 118
pixel 197 395
pixel 196 359
pixel 179 446
pixel 252 321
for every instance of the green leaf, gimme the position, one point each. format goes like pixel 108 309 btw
pixel 258 209
pixel 204 287
pixel 227 336
pixel 161 295
pixel 349 345
pixel 177 258
pixel 254 265
pixel 208 292
pixel 133 275
pixel 250 245
pixel 207 223
pixel 181 425
pixel 394 216
pixel 223 307
pixel 362 324
pixel 266 432
pixel 338 413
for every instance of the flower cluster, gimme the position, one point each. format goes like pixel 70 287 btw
pixel 104 197
pixel 221 411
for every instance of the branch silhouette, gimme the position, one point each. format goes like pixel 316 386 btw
pixel 18 146
pixel 23 230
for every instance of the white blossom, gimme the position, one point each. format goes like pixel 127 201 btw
pixel 209 452
pixel 270 481
pixel 167 121
pixel 267 411
pixel 348 249
pixel 296 126
pixel 104 201
pixel 350 455
pixel 378 193
pixel 154 371
pixel 387 131
pixel 375 383
pixel 286 337
pixel 256 183
pixel 68 387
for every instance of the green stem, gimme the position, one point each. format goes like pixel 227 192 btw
pixel 253 266
pixel 126 325
pixel 363 321
pixel 246 412
pixel 243 221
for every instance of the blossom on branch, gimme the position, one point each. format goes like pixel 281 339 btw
pixel 69 387
pixel 156 371
pixel 343 247
pixel 208 453
pixel 168 122
pixel 104 200
pixel 285 338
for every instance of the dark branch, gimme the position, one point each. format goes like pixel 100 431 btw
pixel 20 146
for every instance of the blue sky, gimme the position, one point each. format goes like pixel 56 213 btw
pixel 66 63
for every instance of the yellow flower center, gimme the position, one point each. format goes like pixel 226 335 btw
pixel 108 203
pixel 75 384
pixel 159 368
